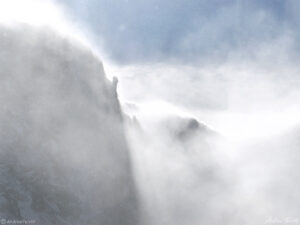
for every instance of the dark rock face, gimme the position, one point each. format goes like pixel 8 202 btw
pixel 63 154
pixel 185 129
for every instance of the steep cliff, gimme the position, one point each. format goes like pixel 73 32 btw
pixel 63 154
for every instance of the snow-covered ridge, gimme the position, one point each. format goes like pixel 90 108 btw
pixel 63 153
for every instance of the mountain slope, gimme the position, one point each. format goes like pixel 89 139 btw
pixel 63 154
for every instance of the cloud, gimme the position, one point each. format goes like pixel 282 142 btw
pixel 262 76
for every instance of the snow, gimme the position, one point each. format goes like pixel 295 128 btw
pixel 64 158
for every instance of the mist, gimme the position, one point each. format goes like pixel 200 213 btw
pixel 167 114
pixel 244 171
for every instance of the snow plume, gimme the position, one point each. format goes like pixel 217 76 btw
pixel 179 177
pixel 217 143
pixel 64 158
pixel 189 172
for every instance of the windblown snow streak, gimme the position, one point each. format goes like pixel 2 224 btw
pixel 63 154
